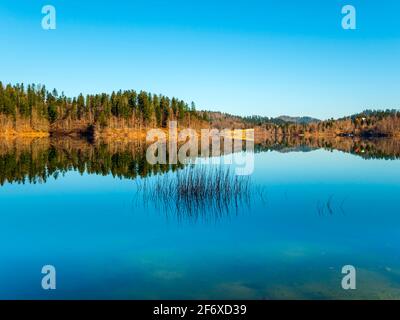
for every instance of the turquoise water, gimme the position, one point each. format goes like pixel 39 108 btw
pixel 320 210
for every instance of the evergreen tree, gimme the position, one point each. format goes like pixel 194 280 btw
pixel 35 102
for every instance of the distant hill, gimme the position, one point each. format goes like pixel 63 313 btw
pixel 299 120
pixel 221 119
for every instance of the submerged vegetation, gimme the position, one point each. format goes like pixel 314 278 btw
pixel 197 191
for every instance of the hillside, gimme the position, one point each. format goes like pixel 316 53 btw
pixel 35 111
pixel 299 120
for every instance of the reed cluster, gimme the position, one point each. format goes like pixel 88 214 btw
pixel 197 191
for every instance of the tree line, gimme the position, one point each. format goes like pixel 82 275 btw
pixel 369 123
pixel 35 108
pixel 142 108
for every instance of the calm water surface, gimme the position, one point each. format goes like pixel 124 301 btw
pixel 81 212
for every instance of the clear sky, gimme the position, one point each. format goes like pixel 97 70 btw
pixel 244 57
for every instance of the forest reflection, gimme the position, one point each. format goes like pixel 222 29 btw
pixel 34 160
pixel 373 148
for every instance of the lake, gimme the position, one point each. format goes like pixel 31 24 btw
pixel 312 207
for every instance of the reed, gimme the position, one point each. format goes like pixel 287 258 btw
pixel 197 191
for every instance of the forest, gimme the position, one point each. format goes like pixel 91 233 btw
pixel 369 123
pixel 33 109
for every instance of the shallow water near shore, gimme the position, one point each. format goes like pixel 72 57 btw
pixel 81 209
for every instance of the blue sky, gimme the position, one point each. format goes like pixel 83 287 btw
pixel 243 57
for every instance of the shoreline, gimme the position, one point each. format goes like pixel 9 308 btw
pixel 135 134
